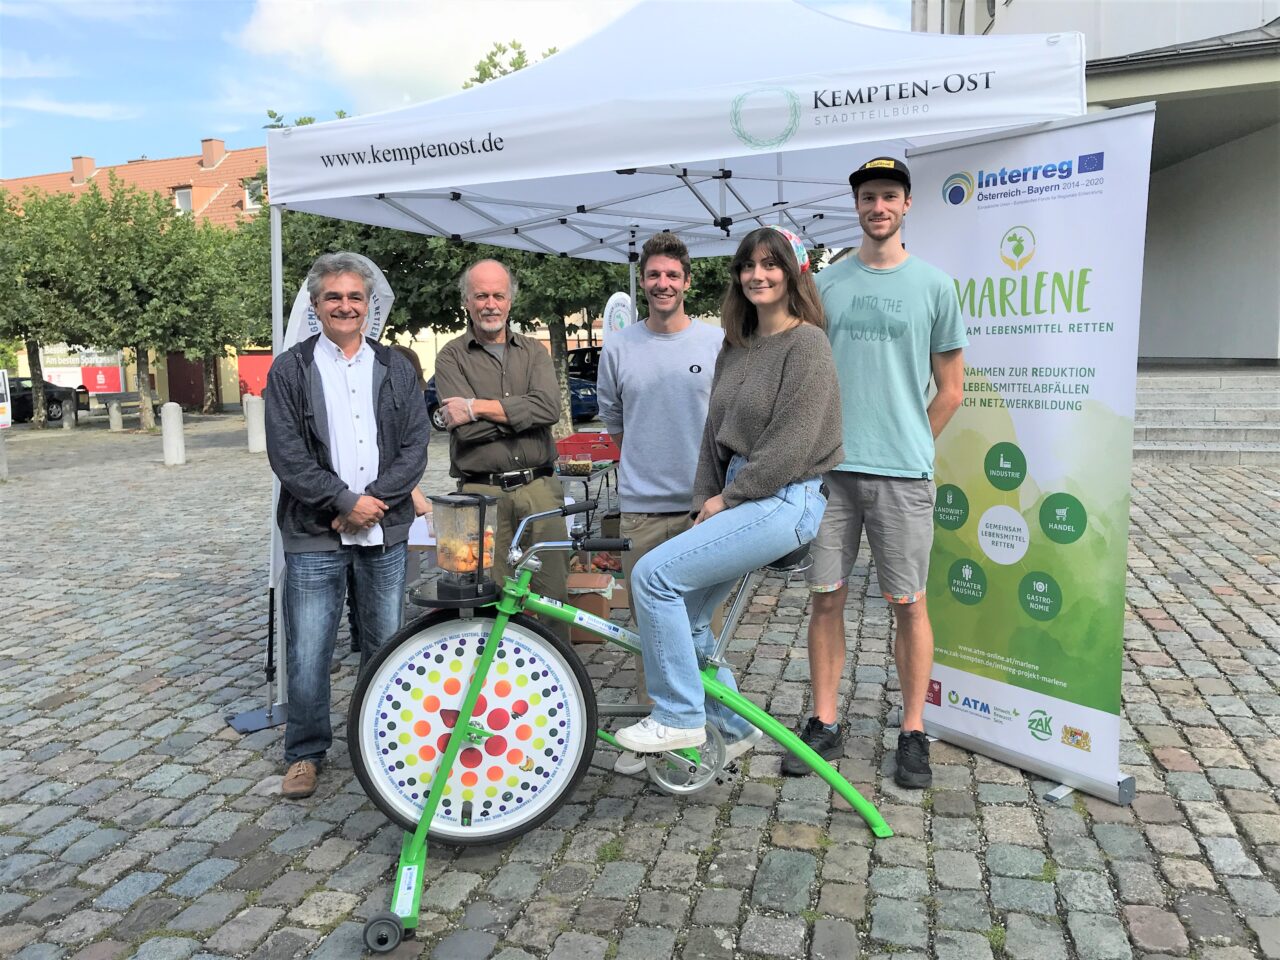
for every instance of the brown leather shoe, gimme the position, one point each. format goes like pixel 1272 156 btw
pixel 299 780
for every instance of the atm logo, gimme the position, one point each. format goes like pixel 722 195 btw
pixel 958 188
pixel 972 704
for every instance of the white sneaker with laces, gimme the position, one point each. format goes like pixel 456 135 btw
pixel 629 763
pixel 650 736
pixel 736 749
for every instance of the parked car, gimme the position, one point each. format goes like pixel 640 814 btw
pixel 582 401
pixel 56 398
pixel 584 362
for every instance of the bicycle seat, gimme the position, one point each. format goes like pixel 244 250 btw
pixel 796 560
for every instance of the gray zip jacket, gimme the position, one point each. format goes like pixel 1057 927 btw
pixel 311 494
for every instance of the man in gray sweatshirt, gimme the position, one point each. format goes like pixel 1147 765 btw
pixel 653 387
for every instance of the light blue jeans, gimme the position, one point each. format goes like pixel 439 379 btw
pixel 677 586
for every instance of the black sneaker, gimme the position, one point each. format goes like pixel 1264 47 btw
pixel 912 771
pixel 826 743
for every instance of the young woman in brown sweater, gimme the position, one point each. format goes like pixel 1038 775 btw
pixel 773 427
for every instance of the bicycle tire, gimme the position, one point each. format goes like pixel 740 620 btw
pixel 508 784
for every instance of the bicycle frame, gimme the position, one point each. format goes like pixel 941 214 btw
pixel 516 597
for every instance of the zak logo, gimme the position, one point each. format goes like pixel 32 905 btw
pixel 1017 247
pixel 934 694
pixel 958 188
pixel 765 117
pixel 1041 725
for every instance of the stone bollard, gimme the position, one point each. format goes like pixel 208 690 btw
pixel 115 416
pixel 69 416
pixel 255 418
pixel 175 449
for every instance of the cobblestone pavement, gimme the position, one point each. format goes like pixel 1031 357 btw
pixel 135 823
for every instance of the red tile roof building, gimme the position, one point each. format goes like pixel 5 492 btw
pixel 209 184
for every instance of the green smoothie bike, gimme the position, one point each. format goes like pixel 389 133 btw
pixel 480 690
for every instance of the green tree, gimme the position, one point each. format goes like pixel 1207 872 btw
pixel 502 59
pixel 145 274
pixel 43 266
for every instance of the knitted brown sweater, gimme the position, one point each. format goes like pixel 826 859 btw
pixel 777 403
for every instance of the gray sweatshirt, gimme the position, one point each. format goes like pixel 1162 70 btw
pixel 654 388
pixel 776 402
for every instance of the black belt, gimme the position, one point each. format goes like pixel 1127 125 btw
pixel 509 480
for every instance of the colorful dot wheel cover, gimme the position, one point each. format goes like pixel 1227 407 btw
pixel 531 717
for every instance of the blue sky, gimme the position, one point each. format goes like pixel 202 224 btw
pixel 117 79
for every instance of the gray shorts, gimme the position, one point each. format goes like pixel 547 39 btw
pixel 897 513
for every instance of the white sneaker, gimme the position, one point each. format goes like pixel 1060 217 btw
pixel 650 736
pixel 736 749
pixel 629 763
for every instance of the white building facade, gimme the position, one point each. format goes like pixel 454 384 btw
pixel 1211 289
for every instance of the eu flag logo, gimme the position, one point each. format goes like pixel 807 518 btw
pixel 1090 163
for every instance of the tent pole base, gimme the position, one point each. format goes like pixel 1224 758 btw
pixel 251 721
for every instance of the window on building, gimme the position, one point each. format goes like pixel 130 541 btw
pixel 182 199
pixel 987 17
pixel 253 195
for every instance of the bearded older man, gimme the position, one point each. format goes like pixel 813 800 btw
pixel 500 399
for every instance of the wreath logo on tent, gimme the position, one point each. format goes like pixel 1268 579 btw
pixel 791 103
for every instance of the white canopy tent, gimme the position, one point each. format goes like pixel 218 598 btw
pixel 707 118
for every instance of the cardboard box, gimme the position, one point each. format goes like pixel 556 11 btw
pixel 595 593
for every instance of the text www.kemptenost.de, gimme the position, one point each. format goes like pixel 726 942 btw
pixel 412 154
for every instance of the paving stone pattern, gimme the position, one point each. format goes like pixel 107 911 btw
pixel 135 823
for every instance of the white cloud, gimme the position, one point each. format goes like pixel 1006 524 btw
pixel 19 65
pixel 383 52
pixel 37 103
pixel 889 14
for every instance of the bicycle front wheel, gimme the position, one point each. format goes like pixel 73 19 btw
pixel 537 705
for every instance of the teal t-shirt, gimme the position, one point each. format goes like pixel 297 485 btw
pixel 883 326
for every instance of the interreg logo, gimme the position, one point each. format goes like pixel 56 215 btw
pixel 1008 182
pixel 958 188
pixel 1017 247
pixel 1041 725
pixel 765 117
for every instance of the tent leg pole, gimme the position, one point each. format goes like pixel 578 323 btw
pixel 631 270
pixel 276 710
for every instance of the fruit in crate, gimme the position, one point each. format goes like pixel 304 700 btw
pixel 608 562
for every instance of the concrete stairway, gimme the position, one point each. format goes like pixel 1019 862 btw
pixel 1226 415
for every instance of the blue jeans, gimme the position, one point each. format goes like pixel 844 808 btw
pixel 315 589
pixel 678 585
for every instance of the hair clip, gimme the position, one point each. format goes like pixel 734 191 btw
pixel 797 245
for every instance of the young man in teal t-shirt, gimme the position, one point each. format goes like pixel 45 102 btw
pixel 894 322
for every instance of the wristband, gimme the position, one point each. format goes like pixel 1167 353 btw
pixel 471 409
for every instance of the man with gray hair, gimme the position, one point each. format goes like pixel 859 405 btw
pixel 347 437
pixel 500 398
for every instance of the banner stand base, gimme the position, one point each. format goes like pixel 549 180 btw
pixel 1058 793
pixel 251 721
pixel 1119 791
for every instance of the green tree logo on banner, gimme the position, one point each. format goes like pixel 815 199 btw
pixel 1017 247
pixel 767 101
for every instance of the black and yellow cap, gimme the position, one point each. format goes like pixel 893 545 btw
pixel 881 168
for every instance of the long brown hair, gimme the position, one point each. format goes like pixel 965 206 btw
pixel 738 314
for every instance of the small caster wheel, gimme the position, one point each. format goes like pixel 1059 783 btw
pixel 383 932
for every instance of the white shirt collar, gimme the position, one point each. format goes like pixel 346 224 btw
pixel 336 353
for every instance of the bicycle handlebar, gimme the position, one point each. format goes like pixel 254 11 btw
pixel 605 543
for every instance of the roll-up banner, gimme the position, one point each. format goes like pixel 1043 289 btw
pixel 1043 233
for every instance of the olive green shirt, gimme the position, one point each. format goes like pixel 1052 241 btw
pixel 523 381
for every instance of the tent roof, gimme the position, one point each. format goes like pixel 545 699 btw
pixel 708 118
